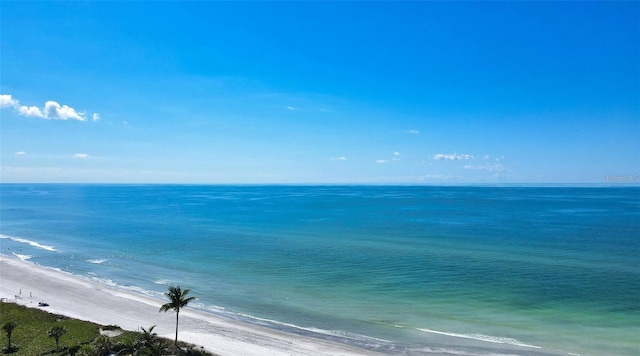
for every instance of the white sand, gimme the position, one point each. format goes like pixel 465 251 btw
pixel 102 304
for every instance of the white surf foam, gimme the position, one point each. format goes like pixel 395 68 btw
pixel 29 242
pixel 347 335
pixel 480 337
pixel 22 257
pixel 97 261
pixel 163 282
pixel 335 333
pixel 129 288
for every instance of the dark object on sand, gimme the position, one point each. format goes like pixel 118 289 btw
pixel 43 304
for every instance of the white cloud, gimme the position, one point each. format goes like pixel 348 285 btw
pixel 381 161
pixel 338 158
pixel 291 108
pixel 52 110
pixel 81 155
pixel 413 132
pixel 452 157
pixel 20 153
pixel 6 101
pixel 95 116
pixel 486 157
pixel 440 156
pixel 396 153
pixel 33 111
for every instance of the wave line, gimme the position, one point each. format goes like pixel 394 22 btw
pixel 480 337
pixel 29 242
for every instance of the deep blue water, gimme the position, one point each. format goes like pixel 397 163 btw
pixel 551 270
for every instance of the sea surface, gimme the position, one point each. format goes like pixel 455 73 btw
pixel 399 269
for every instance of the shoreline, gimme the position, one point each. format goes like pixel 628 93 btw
pixel 102 304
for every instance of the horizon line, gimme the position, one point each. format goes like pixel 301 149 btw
pixel 523 185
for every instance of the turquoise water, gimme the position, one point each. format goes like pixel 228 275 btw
pixel 404 270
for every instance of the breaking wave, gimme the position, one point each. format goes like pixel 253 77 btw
pixel 480 337
pixel 97 261
pixel 29 242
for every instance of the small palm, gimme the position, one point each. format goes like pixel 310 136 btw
pixel 8 328
pixel 56 332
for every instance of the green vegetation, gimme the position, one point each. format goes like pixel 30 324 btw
pixel 177 299
pixel 31 329
pixel 8 328
pixel 56 332
pixel 151 343
pixel 30 337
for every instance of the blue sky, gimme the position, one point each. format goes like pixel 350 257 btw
pixel 320 92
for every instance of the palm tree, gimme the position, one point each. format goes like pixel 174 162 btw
pixel 127 345
pixel 148 337
pixel 102 345
pixel 56 332
pixel 177 299
pixel 149 344
pixel 8 327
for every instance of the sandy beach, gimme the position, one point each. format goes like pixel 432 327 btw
pixel 28 284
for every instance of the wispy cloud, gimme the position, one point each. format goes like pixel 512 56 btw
pixel 338 158
pixel 488 167
pixel 81 155
pixel 291 108
pixel 413 132
pixel 441 177
pixel 395 157
pixel 452 157
pixel 51 110
pixel 20 153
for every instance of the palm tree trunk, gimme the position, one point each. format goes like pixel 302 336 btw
pixel 176 342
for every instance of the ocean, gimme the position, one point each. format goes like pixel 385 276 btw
pixel 406 270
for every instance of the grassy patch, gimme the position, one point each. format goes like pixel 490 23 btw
pixel 30 337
